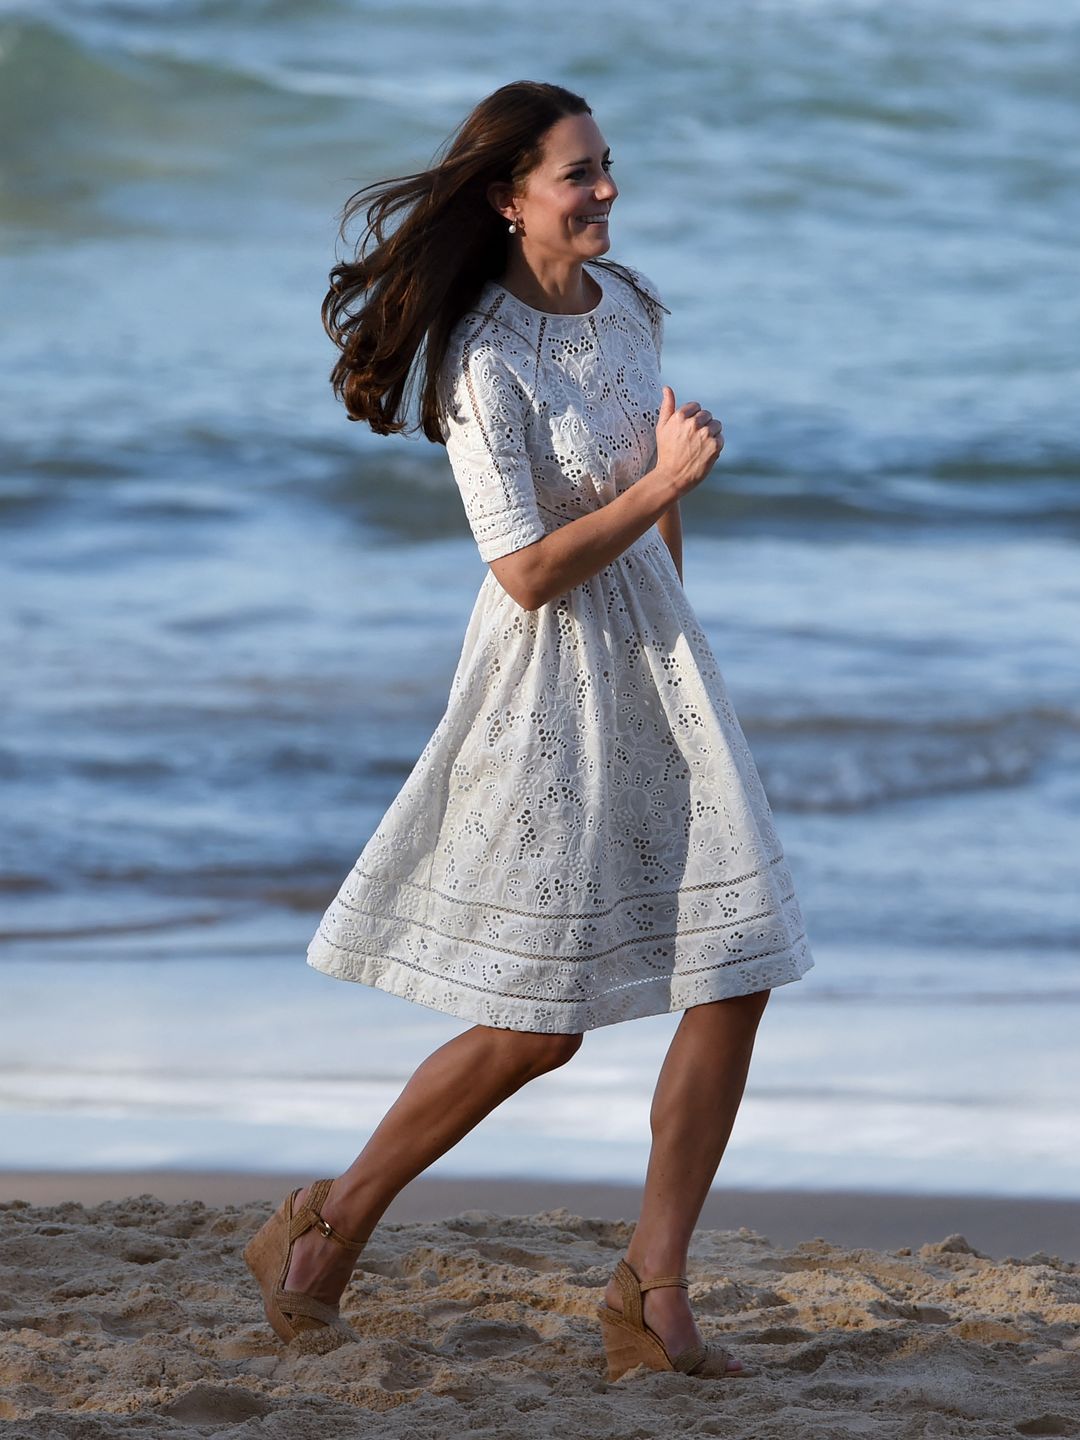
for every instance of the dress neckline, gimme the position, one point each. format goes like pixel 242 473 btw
pixel 557 314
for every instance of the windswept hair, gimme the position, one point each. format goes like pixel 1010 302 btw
pixel 406 287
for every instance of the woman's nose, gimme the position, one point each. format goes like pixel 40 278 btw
pixel 607 189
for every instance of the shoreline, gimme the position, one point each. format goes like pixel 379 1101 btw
pixel 998 1226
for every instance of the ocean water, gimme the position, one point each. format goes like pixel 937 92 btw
pixel 231 617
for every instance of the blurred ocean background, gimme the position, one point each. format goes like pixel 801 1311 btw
pixel 231 618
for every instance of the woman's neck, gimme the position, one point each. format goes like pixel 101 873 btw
pixel 558 289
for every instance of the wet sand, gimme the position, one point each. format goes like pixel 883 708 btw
pixel 844 1217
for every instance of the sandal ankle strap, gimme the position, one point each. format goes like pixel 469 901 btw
pixel 308 1217
pixel 632 1290
pixel 664 1280
pixel 325 1228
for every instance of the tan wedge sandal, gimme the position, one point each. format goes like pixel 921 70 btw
pixel 267 1255
pixel 628 1341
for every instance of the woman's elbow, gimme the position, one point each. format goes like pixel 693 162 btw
pixel 519 579
pixel 521 595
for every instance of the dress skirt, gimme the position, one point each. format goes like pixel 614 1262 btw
pixel 585 838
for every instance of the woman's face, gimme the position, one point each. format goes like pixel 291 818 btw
pixel 568 194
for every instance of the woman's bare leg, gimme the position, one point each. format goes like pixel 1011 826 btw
pixel 449 1093
pixel 694 1106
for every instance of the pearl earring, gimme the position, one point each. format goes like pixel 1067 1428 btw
pixel 513 227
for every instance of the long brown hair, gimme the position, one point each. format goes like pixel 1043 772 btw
pixel 405 290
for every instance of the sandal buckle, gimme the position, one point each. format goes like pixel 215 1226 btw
pixel 323 1226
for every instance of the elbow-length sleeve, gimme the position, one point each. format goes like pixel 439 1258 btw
pixel 485 424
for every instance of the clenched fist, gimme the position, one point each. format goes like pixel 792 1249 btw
pixel 688 441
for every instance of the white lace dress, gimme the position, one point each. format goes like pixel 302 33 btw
pixel 585 838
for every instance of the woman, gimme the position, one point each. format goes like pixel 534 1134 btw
pixel 585 838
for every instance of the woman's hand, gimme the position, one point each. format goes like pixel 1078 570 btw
pixel 688 442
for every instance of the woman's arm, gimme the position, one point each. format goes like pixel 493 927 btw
pixel 688 441
pixel 670 527
pixel 576 551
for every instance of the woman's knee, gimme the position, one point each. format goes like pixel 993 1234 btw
pixel 756 1001
pixel 543 1051
pixel 558 1049
pixel 750 1008
pixel 747 1007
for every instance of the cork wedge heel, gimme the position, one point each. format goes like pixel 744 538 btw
pixel 267 1254
pixel 628 1341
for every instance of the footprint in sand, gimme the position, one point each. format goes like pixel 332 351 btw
pixel 484 1339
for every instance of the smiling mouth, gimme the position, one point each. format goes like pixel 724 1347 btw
pixel 594 219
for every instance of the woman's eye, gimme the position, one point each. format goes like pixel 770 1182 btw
pixel 577 174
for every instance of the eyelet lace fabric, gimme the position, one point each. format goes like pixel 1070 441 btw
pixel 585 838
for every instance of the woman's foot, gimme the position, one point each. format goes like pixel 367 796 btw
pixel 666 1310
pixel 319 1266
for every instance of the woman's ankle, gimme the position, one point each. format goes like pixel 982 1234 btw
pixel 352 1209
pixel 649 1263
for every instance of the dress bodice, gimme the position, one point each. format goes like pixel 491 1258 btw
pixel 550 416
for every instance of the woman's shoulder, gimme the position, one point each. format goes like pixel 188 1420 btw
pixel 628 277
pixel 483 335
pixel 474 320
pixel 639 294
pixel 484 362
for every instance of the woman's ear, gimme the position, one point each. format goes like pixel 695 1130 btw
pixel 501 197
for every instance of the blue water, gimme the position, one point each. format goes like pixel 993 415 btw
pixel 232 617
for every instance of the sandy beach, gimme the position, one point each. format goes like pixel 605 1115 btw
pixel 126 1309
